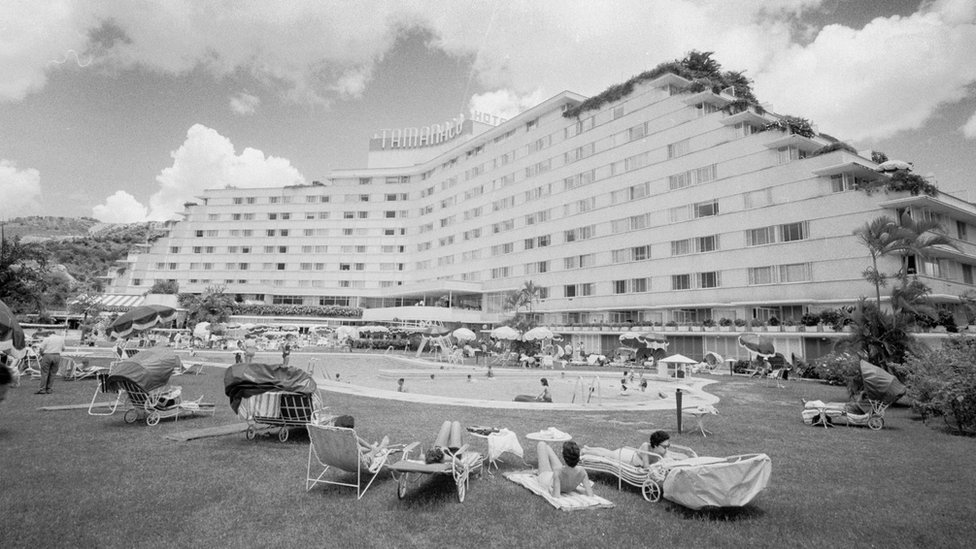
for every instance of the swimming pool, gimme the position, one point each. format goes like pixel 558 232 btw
pixel 468 385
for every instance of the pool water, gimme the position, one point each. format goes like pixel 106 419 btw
pixel 377 375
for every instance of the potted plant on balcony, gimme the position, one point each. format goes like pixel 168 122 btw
pixel 789 325
pixel 725 324
pixel 709 325
pixel 671 325
pixel 739 323
pixel 775 324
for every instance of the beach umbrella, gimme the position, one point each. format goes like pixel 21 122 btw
pixel 12 339
pixel 678 359
pixel 537 333
pixel 505 332
pixel 464 334
pixel 374 329
pixel 347 331
pixel 761 345
pixel 139 319
pixel 644 340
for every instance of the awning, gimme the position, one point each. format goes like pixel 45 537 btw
pixel 120 302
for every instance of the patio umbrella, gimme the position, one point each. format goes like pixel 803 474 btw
pixel 140 318
pixel 505 332
pixel 761 345
pixel 12 339
pixel 347 331
pixel 464 334
pixel 537 333
pixel 678 359
pixel 644 340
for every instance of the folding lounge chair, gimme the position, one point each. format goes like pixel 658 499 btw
pixel 648 479
pixel 333 447
pixel 459 465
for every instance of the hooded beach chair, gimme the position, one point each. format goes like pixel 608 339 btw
pixel 332 447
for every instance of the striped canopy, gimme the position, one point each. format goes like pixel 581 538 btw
pixel 139 319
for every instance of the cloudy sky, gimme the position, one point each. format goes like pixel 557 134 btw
pixel 123 110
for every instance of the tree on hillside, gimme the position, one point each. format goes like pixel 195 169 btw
pixel 22 275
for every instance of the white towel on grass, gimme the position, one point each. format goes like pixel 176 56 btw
pixel 572 501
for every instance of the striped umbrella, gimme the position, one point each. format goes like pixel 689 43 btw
pixel 139 319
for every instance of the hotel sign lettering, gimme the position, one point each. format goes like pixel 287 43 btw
pixel 435 134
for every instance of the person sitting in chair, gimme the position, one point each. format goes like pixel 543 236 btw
pixel 658 443
pixel 556 477
pixel 368 449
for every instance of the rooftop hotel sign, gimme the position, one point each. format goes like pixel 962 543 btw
pixel 435 134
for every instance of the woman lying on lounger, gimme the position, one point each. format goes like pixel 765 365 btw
pixel 560 479
pixel 658 443
pixel 365 448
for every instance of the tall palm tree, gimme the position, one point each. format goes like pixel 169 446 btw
pixel 530 294
pixel 919 238
pixel 881 236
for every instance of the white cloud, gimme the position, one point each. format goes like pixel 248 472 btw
pixel 969 128
pixel 244 103
pixel 505 103
pixel 20 190
pixel 871 82
pixel 206 160
pixel 121 207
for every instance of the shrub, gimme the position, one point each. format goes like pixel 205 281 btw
pixel 773 321
pixel 839 369
pixel 724 321
pixel 946 319
pixel 740 322
pixel 708 323
pixel 943 383
pixel 810 319
pixel 671 323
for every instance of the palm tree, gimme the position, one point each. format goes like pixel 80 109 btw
pixel 530 294
pixel 881 236
pixel 919 239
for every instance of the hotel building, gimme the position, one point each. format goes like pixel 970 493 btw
pixel 662 206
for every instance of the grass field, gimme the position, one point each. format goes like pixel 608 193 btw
pixel 71 480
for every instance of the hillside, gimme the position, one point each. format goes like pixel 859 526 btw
pixel 86 247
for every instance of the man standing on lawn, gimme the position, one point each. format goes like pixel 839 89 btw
pixel 50 350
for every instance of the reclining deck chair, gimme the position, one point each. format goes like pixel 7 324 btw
pixel 332 447
pixel 456 460
pixel 648 479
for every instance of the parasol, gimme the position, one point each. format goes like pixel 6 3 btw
pixel 761 345
pixel 464 334
pixel 140 318
pixel 678 359
pixel 505 332
pixel 347 331
pixel 12 339
pixel 644 340
pixel 537 333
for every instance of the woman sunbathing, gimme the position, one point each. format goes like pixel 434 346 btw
pixel 556 477
pixel 658 443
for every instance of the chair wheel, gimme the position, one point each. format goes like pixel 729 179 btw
pixel 250 433
pixel 651 491
pixel 130 416
pixel 283 434
pixel 876 423
pixel 153 418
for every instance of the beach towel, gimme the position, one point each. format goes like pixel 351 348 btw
pixel 573 501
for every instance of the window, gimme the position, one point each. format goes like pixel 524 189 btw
pixel 758 237
pixel 705 209
pixel 785 155
pixel 619 286
pixel 967 274
pixel 280 266
pixel 961 230
pixel 681 247
pixel 706 243
pixel 637 132
pixel 679 148
pixel 792 231
pixel 681 282
pixel 708 280
pixel 796 272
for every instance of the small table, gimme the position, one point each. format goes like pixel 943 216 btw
pixel 699 414
pixel 549 436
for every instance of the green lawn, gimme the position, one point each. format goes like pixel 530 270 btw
pixel 71 480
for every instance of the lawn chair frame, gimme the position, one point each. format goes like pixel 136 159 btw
pixel 332 447
pixel 647 479
pixel 460 465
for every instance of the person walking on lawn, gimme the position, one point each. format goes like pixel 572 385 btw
pixel 50 350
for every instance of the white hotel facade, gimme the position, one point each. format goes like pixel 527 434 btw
pixel 657 207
